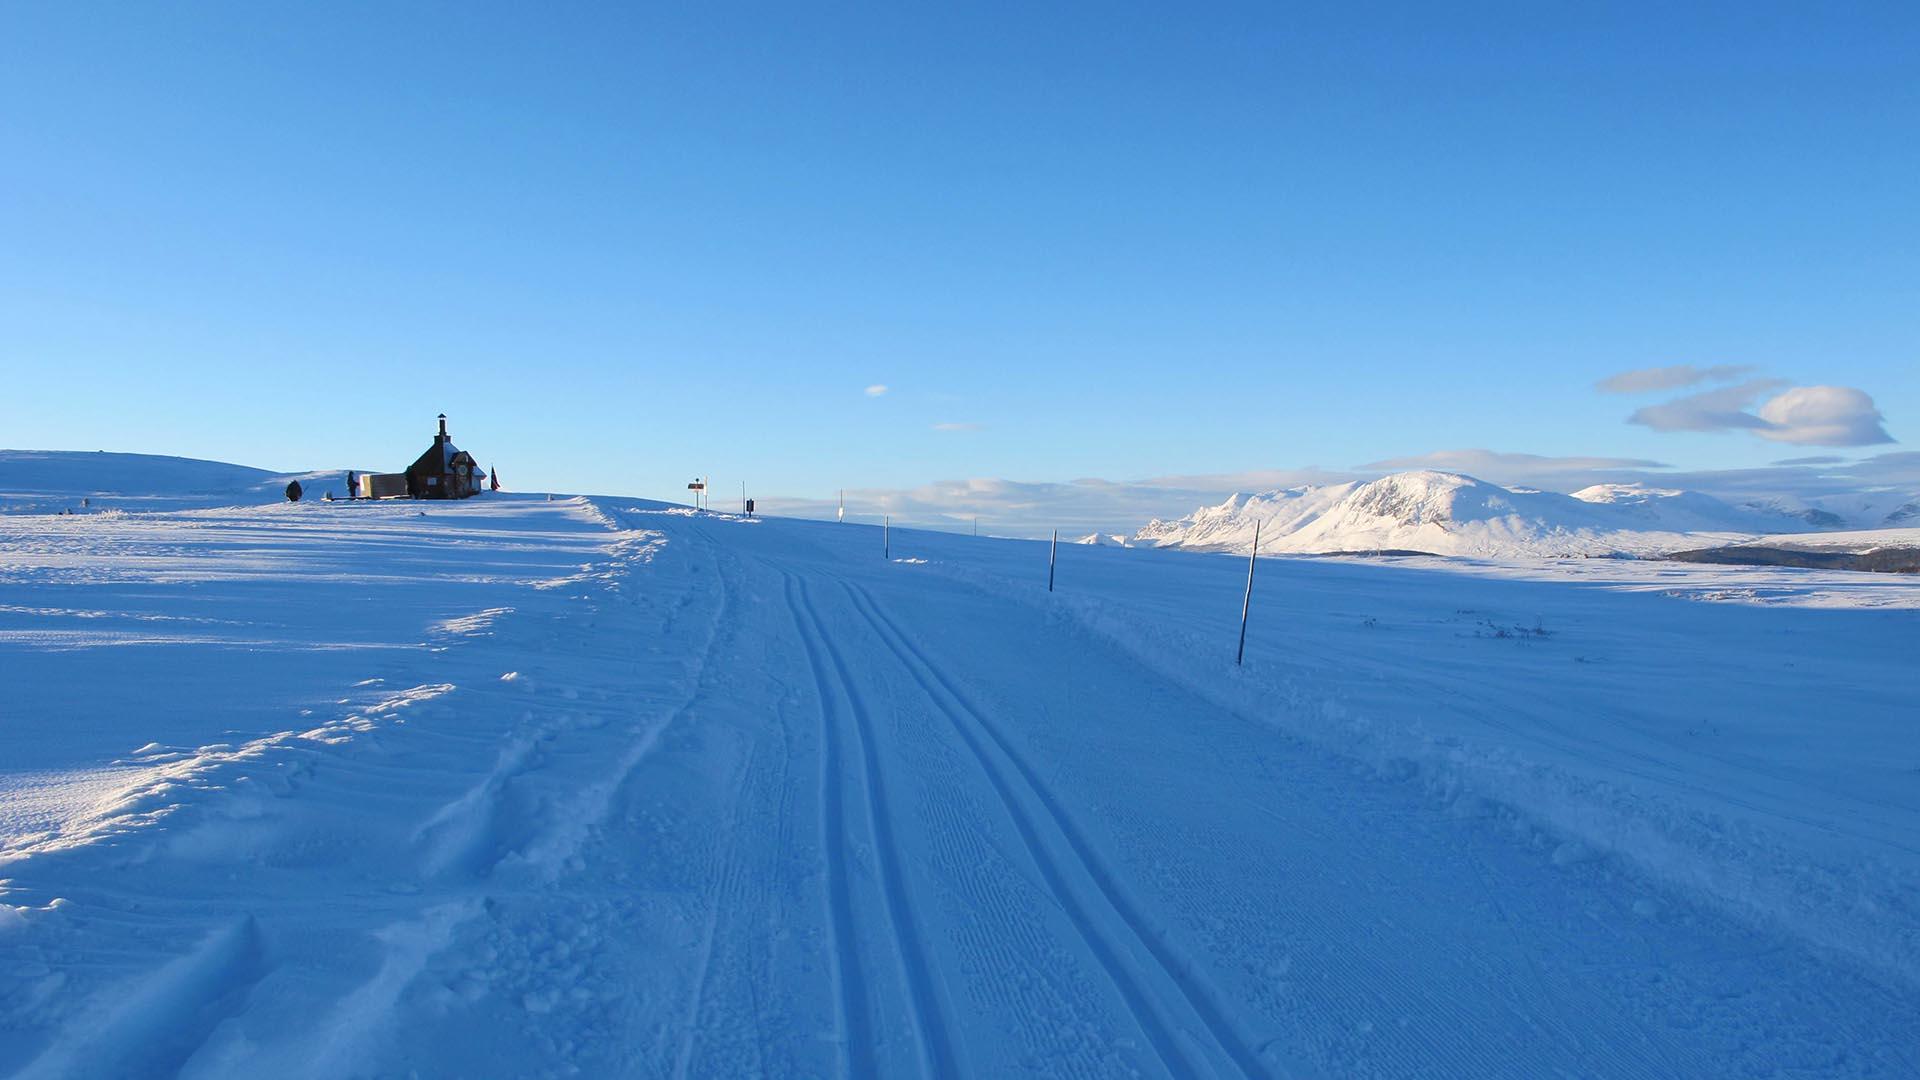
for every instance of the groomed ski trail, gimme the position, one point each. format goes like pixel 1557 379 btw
pixel 1177 1055
pixel 840 700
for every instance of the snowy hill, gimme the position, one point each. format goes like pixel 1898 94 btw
pixel 1851 510
pixel 1453 514
pixel 1229 526
pixel 49 481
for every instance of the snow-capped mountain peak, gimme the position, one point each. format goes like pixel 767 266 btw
pixel 1429 497
pixel 1455 514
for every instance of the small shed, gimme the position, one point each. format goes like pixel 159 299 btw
pixel 382 486
pixel 445 471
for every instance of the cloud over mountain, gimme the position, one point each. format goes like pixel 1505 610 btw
pixel 1801 415
pixel 1510 467
pixel 1823 416
pixel 1724 409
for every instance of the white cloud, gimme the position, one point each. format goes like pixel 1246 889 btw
pixel 876 389
pixel 1710 410
pixel 1802 415
pixel 1823 416
pixel 1502 467
pixel 1644 380
pixel 956 426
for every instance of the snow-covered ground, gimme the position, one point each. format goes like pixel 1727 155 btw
pixel 52 481
pixel 1445 513
pixel 590 787
pixel 1855 540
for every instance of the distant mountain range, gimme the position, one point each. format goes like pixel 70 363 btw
pixel 1447 513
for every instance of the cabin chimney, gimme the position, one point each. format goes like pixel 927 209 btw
pixel 443 427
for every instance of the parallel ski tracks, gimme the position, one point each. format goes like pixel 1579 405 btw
pixel 1113 951
pixel 837 696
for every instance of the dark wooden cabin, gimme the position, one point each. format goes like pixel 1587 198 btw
pixel 445 471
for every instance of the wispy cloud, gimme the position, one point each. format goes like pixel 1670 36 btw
pixel 1508 467
pixel 876 389
pixel 958 426
pixel 1673 377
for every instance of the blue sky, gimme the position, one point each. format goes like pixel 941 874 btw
pixel 621 246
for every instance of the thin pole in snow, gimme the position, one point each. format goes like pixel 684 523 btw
pixel 1051 550
pixel 976 526
pixel 1247 602
pixel 842 515
pixel 743 498
pixel 886 542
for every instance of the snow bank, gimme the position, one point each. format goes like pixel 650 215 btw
pixel 1776 859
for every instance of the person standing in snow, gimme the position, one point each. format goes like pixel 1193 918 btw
pixel 293 491
pixel 353 484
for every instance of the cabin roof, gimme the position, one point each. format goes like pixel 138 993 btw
pixel 441 457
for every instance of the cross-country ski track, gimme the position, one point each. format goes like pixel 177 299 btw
pixel 700 796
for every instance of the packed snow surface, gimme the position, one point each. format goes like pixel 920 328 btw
pixel 1444 513
pixel 517 787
